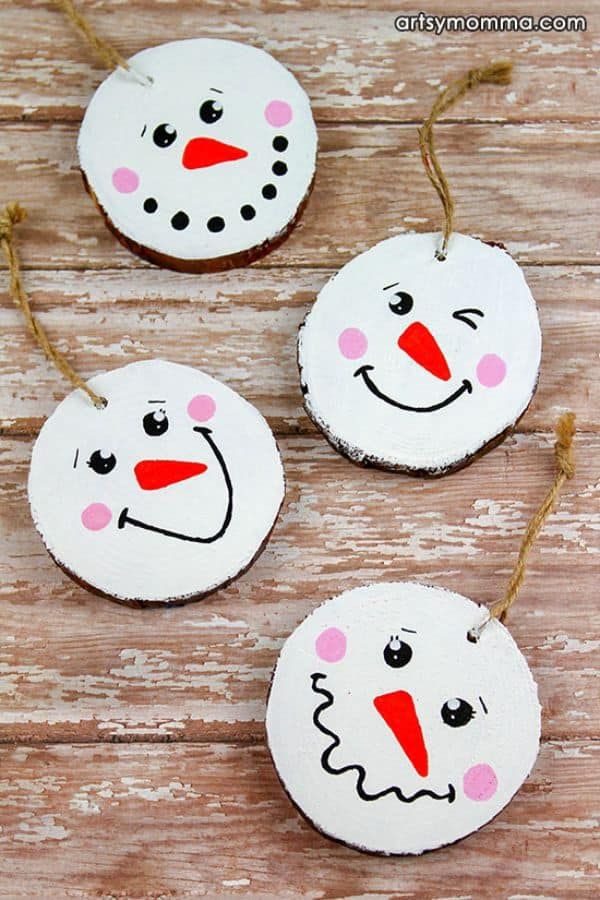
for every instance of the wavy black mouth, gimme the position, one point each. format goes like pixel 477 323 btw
pixel 466 387
pixel 355 767
pixel 126 519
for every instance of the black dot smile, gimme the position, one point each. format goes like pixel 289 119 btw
pixel 465 388
pixel 210 112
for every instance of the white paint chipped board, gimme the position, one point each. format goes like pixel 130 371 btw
pixel 202 155
pixel 165 494
pixel 111 715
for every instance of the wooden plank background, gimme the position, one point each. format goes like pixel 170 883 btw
pixel 132 759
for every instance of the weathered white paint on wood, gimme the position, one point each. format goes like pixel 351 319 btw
pixel 241 327
pixel 512 184
pixel 171 810
pixel 103 672
pixel 347 55
pixel 206 820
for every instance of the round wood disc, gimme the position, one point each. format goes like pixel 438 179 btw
pixel 168 493
pixel 390 730
pixel 207 167
pixel 416 364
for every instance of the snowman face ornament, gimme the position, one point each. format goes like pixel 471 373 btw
pixel 207 167
pixel 414 364
pixel 166 494
pixel 390 730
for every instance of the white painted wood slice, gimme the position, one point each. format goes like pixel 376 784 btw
pixel 166 494
pixel 390 730
pixel 207 167
pixel 415 364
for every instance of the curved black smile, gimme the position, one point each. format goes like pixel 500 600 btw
pixel 360 770
pixel 466 387
pixel 126 519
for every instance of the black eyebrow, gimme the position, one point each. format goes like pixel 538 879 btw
pixel 157 401
pixel 216 90
pixel 76 458
pixel 143 132
pixel 409 630
pixel 462 316
pixel 388 286
pixel 483 705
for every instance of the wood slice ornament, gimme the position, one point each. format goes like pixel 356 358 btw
pixel 423 352
pixel 163 488
pixel 403 717
pixel 390 730
pixel 200 154
pixel 166 494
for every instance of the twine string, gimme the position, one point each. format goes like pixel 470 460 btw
pixel 565 469
pixel 108 54
pixel 495 73
pixel 12 215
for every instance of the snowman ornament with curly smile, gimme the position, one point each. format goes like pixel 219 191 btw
pixel 166 494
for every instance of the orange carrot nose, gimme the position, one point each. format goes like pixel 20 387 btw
pixel 201 152
pixel 398 712
pixel 153 474
pixel 421 346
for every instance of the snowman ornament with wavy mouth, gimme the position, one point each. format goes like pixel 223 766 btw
pixel 403 717
pixel 202 156
pixel 390 730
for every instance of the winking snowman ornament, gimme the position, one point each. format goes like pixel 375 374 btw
pixel 423 352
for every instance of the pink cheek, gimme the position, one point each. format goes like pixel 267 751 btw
pixel 96 516
pixel 480 782
pixel 278 113
pixel 202 407
pixel 353 343
pixel 125 181
pixel 491 370
pixel 331 645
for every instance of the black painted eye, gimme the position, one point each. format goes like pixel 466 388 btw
pixel 211 111
pixel 102 462
pixel 397 653
pixel 155 423
pixel 164 135
pixel 402 304
pixel 457 712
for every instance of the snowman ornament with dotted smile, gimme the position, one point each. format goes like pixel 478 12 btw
pixel 202 156
pixel 419 359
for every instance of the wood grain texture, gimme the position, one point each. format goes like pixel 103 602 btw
pixel 348 55
pixel 370 185
pixel 132 759
pixel 212 820
pixel 109 673
pixel 241 327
